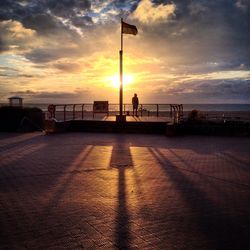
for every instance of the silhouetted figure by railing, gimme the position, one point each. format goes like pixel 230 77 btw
pixel 135 103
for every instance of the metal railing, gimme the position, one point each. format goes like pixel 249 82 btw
pixel 63 112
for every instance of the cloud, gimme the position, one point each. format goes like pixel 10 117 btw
pixel 53 96
pixel 186 43
pixel 43 23
pixel 45 54
pixel 11 10
pixel 15 36
pixel 14 73
pixel 66 8
pixel 148 13
pixel 243 5
pixel 52 49
pixel 82 21
pixel 68 67
pixel 201 32
pixel 7 69
pixel 197 8
pixel 206 91
pixel 23 93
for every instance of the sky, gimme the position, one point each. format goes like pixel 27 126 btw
pixel 67 51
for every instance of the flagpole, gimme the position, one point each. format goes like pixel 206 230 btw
pixel 121 76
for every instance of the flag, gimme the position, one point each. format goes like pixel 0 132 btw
pixel 129 29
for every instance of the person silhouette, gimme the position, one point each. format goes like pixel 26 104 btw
pixel 135 103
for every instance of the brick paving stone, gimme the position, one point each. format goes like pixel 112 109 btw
pixel 121 191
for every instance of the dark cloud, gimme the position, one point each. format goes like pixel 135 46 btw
pixel 14 9
pixel 232 89
pixel 222 90
pixel 56 94
pixel 82 21
pixel 48 54
pixel 3 45
pixel 18 75
pixel 40 15
pixel 27 75
pixel 206 91
pixel 8 68
pixel 14 73
pixel 77 95
pixel 43 23
pixel 54 23
pixel 43 55
pixel 68 67
pixel 11 10
pixel 202 31
pixel 23 93
pixel 67 8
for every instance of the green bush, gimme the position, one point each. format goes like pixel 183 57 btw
pixel 14 119
pixel 196 115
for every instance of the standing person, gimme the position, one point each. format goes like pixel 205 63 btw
pixel 135 103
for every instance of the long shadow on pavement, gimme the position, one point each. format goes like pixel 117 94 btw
pixel 16 141
pixel 221 230
pixel 122 160
pixel 232 159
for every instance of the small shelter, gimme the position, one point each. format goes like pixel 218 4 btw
pixel 16 101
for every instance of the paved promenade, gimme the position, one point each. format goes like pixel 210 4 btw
pixel 116 191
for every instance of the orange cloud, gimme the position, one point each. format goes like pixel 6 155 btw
pixel 147 12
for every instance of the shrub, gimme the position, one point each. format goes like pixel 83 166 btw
pixel 15 119
pixel 196 115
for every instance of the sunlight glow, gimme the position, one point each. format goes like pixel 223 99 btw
pixel 115 80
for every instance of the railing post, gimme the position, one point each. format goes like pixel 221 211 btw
pixel 173 113
pixel 182 118
pixel 141 110
pixel 157 110
pixel 178 114
pixel 82 111
pixel 74 111
pixel 64 112
pixel 174 107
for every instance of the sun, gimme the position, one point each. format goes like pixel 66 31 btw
pixel 115 80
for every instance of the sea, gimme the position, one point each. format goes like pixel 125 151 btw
pixel 152 107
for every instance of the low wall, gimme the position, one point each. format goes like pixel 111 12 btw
pixel 106 127
pixel 214 128
pixel 168 129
